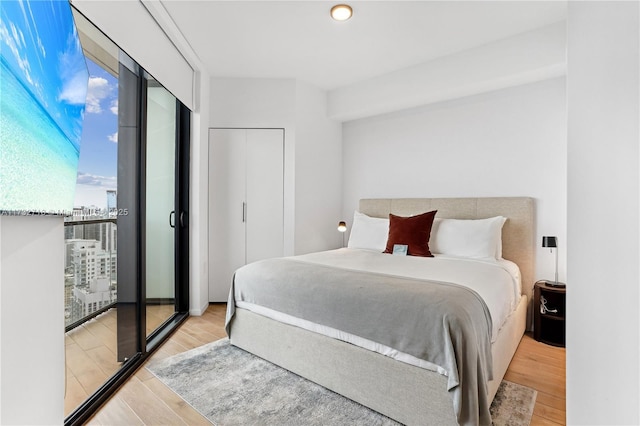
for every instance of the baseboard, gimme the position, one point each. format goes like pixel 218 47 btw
pixel 196 312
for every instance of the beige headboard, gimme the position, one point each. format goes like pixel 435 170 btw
pixel 518 233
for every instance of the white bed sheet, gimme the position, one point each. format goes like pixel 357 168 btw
pixel 496 281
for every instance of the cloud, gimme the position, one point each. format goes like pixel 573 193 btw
pixel 114 107
pixel 94 180
pixel 30 28
pixel 18 39
pixel 22 38
pixel 14 40
pixel 91 190
pixel 75 90
pixel 41 46
pixel 73 72
pixel 98 89
pixel 113 138
pixel 91 195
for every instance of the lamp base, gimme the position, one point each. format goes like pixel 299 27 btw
pixel 554 284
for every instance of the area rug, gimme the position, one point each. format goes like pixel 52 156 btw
pixel 230 386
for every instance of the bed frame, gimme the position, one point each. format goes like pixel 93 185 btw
pixel 408 394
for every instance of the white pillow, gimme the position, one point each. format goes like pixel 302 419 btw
pixel 369 233
pixel 499 231
pixel 478 238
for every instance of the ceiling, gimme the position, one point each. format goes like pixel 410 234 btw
pixel 298 39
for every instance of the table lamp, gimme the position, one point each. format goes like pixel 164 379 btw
pixel 552 243
pixel 342 227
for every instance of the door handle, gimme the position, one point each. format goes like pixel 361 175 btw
pixel 171 217
pixel 182 219
pixel 244 212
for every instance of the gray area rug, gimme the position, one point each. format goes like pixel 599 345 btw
pixel 230 386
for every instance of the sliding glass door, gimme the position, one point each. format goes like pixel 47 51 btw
pixel 155 164
pixel 147 211
pixel 161 214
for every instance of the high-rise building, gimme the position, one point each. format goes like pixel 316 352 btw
pixel 112 203
pixel 99 294
pixel 91 267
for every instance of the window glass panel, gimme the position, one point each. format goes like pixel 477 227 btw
pixel 160 212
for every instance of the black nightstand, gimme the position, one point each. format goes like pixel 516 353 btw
pixel 549 327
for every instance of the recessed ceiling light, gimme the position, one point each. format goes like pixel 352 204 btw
pixel 341 12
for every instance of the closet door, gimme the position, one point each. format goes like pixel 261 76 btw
pixel 246 181
pixel 227 208
pixel 265 194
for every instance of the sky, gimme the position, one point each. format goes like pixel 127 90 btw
pixel 44 67
pixel 98 165
pixel 80 96
pixel 47 58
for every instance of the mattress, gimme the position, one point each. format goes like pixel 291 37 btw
pixel 496 281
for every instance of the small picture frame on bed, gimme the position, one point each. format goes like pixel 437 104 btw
pixel 400 249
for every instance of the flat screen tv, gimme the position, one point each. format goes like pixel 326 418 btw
pixel 43 88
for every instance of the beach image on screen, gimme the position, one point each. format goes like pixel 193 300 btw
pixel 43 88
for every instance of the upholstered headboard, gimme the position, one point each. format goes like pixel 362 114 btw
pixel 518 233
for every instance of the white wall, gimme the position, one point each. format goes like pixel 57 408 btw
pixel 32 372
pixel 318 173
pixel 525 58
pixel 603 213
pixel 198 206
pixel 510 142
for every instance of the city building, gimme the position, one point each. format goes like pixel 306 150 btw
pixel 99 294
pixel 90 267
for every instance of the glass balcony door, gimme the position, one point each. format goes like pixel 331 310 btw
pixel 161 217
pixel 126 276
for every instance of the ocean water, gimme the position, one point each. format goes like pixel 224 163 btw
pixel 38 163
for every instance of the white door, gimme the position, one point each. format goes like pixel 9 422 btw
pixel 246 180
pixel 265 194
pixel 227 174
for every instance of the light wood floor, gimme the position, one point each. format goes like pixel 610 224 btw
pixel 144 400
pixel 90 355
pixel 541 367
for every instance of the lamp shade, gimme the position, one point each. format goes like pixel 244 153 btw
pixel 549 242
pixel 342 226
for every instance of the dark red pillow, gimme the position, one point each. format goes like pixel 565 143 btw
pixel 413 231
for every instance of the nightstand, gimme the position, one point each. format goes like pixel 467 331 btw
pixel 548 326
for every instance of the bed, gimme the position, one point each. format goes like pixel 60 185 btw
pixel 401 388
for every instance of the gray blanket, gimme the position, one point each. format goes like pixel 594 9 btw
pixel 443 323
